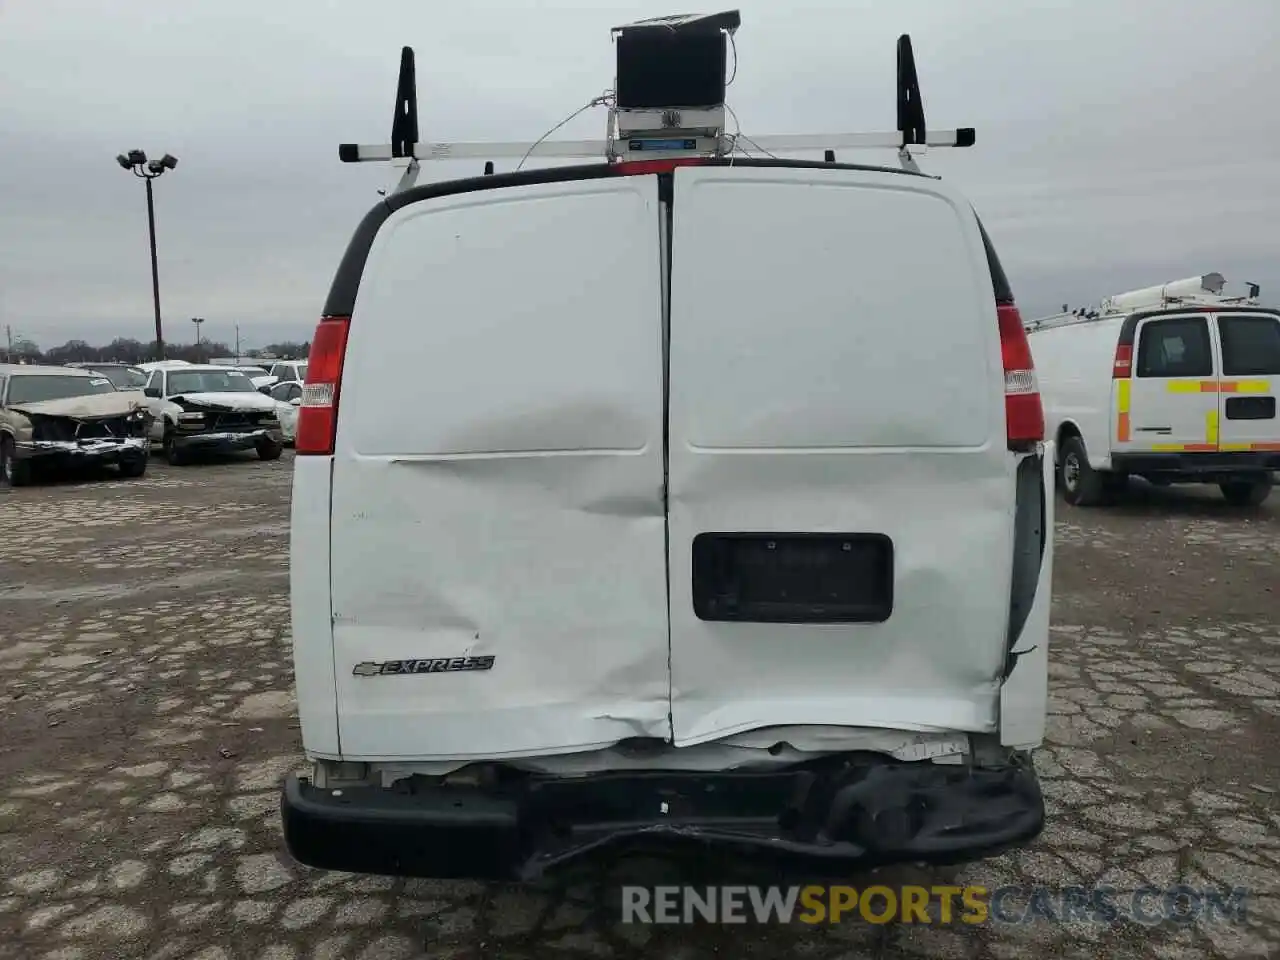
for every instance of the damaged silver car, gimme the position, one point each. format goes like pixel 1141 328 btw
pixel 207 408
pixel 60 418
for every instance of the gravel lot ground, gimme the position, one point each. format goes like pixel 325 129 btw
pixel 146 720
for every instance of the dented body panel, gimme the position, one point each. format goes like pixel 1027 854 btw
pixel 544 616
pixel 518 514
pixel 823 405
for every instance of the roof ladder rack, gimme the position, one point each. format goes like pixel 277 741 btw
pixel 654 114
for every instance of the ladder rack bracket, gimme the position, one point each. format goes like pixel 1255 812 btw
pixel 659 113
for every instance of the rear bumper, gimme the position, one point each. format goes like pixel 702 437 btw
pixel 1200 467
pixel 832 820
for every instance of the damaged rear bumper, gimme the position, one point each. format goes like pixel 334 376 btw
pixel 850 817
pixel 74 452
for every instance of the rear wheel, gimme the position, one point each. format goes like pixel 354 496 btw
pixel 1246 493
pixel 13 472
pixel 269 450
pixel 1082 486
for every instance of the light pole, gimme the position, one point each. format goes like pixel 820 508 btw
pixel 197 321
pixel 136 162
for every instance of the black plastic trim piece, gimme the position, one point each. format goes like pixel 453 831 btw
pixel 1250 408
pixel 1208 466
pixel 721 584
pixel 999 279
pixel 346 280
pixel 1030 536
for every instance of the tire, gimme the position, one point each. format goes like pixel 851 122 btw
pixel 174 455
pixel 1082 486
pixel 269 450
pixel 13 472
pixel 133 468
pixel 1246 493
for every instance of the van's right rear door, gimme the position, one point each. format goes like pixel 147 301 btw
pixel 840 489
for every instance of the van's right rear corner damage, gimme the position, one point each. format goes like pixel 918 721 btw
pixel 848 811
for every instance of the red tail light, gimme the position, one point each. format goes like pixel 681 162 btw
pixel 630 168
pixel 1023 412
pixel 318 415
pixel 1123 365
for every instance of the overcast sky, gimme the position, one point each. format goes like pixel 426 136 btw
pixel 1120 143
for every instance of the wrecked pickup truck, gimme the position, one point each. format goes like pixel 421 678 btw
pixel 198 408
pixel 55 418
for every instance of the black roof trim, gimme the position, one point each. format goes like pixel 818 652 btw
pixel 346 281
pixel 999 279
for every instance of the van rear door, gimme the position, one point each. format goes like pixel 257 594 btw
pixel 1173 393
pixel 498 529
pixel 841 491
pixel 1250 382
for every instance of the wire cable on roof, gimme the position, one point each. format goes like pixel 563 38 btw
pixel 603 100
pixel 739 135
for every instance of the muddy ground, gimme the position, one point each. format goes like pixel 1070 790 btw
pixel 146 720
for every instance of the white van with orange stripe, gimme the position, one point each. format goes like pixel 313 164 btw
pixel 1179 390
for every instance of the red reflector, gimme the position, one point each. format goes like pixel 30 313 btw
pixel 318 415
pixel 1122 368
pixel 632 168
pixel 1023 412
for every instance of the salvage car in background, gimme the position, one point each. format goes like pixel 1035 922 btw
pixel 207 408
pixel 288 398
pixel 262 381
pixel 56 418
pixel 287 370
pixel 123 376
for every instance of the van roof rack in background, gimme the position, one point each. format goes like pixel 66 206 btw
pixel 656 113
pixel 1204 290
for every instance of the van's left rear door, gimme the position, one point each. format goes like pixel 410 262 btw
pixel 1173 393
pixel 498 477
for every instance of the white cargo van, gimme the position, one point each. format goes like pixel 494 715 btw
pixel 1175 384
pixel 683 501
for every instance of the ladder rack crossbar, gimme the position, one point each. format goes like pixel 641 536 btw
pixel 599 149
pixel 654 115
